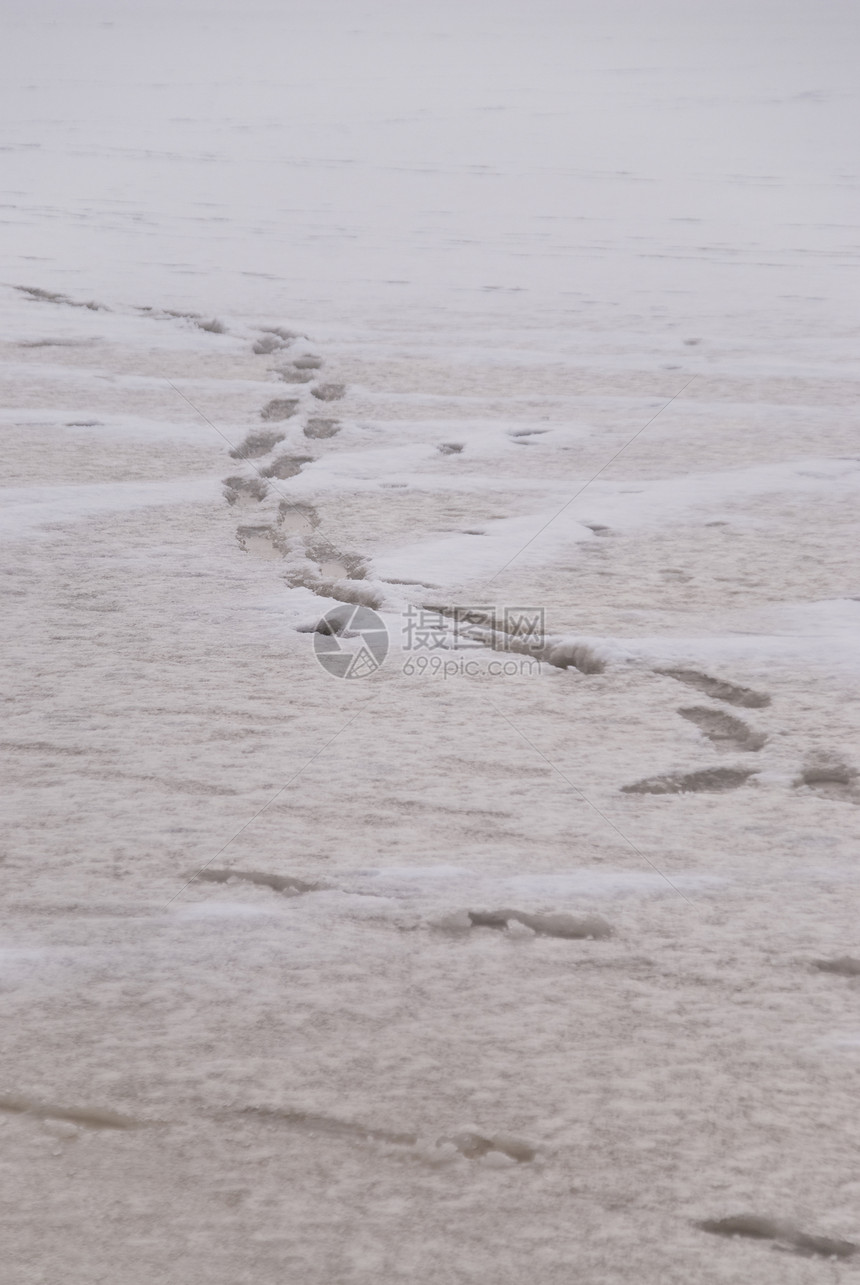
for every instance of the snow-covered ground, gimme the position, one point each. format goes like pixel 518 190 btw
pixel 496 962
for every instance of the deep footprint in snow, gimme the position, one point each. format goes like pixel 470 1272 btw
pixel 450 448
pixel 317 427
pixel 257 444
pixel 724 730
pixel 549 924
pixel 287 884
pixel 294 519
pixel 831 780
pixel 280 408
pixel 718 689
pixel 260 541
pixel 329 392
pixel 712 780
pixel 783 1235
pixel 244 490
pixel 274 339
pixel 293 375
pixel 287 466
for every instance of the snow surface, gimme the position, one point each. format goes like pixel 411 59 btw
pixel 587 276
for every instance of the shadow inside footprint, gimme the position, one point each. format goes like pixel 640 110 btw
pixel 843 966
pixel 257 444
pixel 832 781
pixel 90 1117
pixel 319 428
pixel 244 490
pixel 724 730
pixel 711 780
pixel 329 392
pixel 287 884
pixel 287 466
pixel 280 408
pixel 718 688
pixel 783 1235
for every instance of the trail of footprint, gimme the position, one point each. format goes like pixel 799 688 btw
pixel 710 780
pixel 784 1236
pixel 725 731
pixel 718 688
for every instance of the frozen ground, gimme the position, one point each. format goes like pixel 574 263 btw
pixel 485 976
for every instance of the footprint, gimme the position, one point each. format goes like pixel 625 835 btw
pixel 469 1144
pixel 712 780
pixel 274 339
pixel 287 884
pixel 784 1236
pixel 551 924
pixel 89 1116
pixel 831 780
pixel 294 519
pixel 267 345
pixel 287 466
pixel 843 966
pixel 321 428
pixel 450 448
pixel 244 490
pixel 260 542
pixel 329 392
pixel 51 296
pixel 308 362
pixel 280 408
pixel 718 688
pixel 597 527
pixel 289 375
pixel 724 730
pixel 257 444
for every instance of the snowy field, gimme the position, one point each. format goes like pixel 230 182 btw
pixel 513 958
